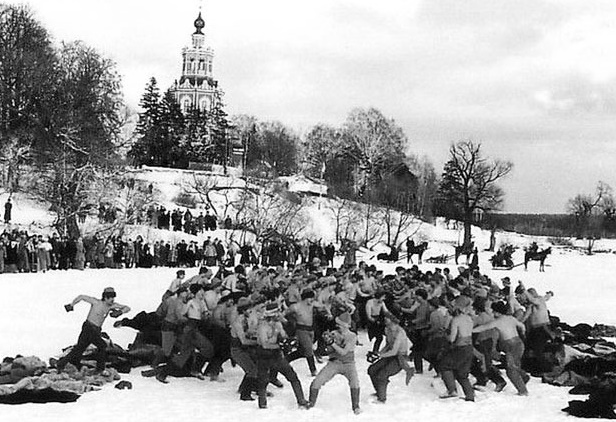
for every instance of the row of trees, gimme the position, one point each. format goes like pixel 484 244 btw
pixel 365 159
pixel 61 112
pixel 167 137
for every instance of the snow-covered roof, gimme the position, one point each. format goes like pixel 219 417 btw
pixel 302 184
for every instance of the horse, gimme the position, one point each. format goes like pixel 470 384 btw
pixel 416 250
pixel 464 250
pixel 537 256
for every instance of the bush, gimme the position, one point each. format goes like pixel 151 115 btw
pixel 185 200
pixel 560 241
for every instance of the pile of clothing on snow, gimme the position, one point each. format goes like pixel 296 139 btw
pixel 587 363
pixel 27 379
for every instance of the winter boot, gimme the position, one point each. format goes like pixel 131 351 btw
pixel 299 393
pixel 262 397
pixel 162 373
pixel 469 393
pixel 409 375
pixel 314 393
pixel 381 391
pixel 245 389
pixel 354 400
pixel 450 383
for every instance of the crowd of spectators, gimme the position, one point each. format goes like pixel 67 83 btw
pixel 24 252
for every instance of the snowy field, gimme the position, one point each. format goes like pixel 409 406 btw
pixel 34 322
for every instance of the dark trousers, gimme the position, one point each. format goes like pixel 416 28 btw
pixel 305 339
pixel 90 334
pixel 379 373
pixel 419 339
pixel 360 304
pixel 514 349
pixel 269 360
pixel 245 358
pixel 455 366
pixel 192 339
pixel 537 341
pixel 491 372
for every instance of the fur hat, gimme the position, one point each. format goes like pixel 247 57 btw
pixel 243 304
pixel 307 294
pixel 462 302
pixel 225 297
pixel 344 319
pixel 483 293
pixel 329 280
pixel 194 288
pixel 271 310
pixel 500 307
pixel 109 292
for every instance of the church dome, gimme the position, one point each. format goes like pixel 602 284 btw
pixel 199 24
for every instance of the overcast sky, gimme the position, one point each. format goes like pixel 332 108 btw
pixel 533 80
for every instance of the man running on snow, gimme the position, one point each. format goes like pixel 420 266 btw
pixel 91 328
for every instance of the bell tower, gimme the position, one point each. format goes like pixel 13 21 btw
pixel 197 87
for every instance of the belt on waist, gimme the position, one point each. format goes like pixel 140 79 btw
pixel 304 327
pixel 91 324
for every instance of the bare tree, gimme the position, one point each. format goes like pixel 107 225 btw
pixel 372 224
pixel 427 184
pixel 396 223
pixel 469 184
pixel 373 142
pixel 13 156
pixel 586 207
pixel 133 198
pixel 261 211
pixel 203 187
pixel 343 212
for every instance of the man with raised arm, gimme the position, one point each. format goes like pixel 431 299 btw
pixel 91 328
pixel 509 331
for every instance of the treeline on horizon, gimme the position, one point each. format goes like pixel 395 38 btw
pixel 551 225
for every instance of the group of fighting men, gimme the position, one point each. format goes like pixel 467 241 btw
pixel 456 323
